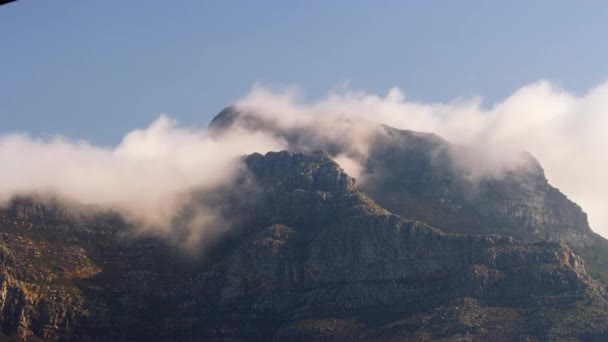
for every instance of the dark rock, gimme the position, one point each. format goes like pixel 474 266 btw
pixel 315 259
pixel 423 177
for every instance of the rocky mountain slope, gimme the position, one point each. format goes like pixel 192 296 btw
pixel 308 257
pixel 424 177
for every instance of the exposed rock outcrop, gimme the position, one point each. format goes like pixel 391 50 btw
pixel 424 177
pixel 310 258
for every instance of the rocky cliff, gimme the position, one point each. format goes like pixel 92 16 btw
pixel 424 177
pixel 310 257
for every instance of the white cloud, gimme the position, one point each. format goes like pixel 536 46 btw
pixel 566 132
pixel 146 174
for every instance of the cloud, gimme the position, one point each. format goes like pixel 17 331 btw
pixel 147 176
pixel 566 132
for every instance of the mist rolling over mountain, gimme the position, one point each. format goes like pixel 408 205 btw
pixel 158 158
pixel 187 234
pixel 303 171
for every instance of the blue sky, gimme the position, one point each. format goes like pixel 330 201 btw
pixel 94 70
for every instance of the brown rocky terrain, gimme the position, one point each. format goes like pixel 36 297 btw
pixel 424 177
pixel 309 256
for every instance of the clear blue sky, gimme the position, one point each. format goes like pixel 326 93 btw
pixel 97 69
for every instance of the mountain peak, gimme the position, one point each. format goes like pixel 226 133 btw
pixel 225 118
pixel 316 171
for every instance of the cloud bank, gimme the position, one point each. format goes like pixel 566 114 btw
pixel 148 174
pixel 564 131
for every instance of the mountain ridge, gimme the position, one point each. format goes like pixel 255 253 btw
pixel 422 176
pixel 308 253
pixel 317 259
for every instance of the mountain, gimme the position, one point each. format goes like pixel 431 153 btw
pixel 311 258
pixel 424 177
pixel 416 250
pixel 418 180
